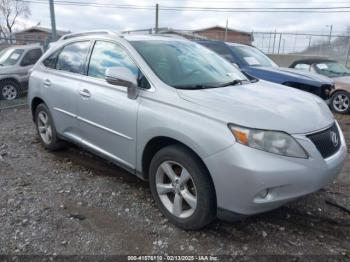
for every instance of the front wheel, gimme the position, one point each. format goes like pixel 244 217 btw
pixel 340 102
pixel 9 90
pixel 182 188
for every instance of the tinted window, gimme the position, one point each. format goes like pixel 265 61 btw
pixel 31 57
pixel 106 55
pixel 221 50
pixel 72 57
pixel 50 62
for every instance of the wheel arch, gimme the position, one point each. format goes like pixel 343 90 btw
pixel 34 104
pixel 157 143
pixel 12 79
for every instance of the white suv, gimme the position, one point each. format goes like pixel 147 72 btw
pixel 210 142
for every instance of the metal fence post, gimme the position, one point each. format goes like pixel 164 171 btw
pixel 279 44
pixel 348 53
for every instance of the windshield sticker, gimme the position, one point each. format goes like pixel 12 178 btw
pixel 322 66
pixel 251 60
pixel 14 56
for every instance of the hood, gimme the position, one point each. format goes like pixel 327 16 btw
pixel 281 75
pixel 263 105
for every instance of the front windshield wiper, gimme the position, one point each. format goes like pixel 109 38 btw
pixel 195 87
pixel 233 83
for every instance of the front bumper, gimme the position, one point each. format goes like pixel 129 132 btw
pixel 240 173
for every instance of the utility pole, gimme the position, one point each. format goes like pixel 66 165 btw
pixel 157 13
pixel 226 30
pixel 53 20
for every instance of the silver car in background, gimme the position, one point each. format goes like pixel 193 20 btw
pixel 210 142
pixel 15 63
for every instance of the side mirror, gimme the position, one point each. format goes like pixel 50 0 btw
pixel 122 76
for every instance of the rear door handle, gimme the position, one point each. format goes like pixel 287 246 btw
pixel 47 82
pixel 85 93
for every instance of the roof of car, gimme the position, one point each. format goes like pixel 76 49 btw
pixel 30 46
pixel 152 37
pixel 310 61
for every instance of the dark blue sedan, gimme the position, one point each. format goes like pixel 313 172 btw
pixel 255 64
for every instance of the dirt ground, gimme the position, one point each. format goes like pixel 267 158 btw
pixel 72 202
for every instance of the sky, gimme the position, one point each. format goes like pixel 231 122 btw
pixel 74 18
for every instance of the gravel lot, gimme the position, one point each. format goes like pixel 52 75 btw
pixel 72 202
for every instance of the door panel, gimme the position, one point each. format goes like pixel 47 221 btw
pixel 107 121
pixel 61 79
pixel 107 117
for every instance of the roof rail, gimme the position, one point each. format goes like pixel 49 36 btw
pixel 86 33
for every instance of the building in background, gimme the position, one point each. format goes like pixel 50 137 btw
pixel 212 33
pixel 218 33
pixel 35 34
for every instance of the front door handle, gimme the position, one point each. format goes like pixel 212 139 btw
pixel 47 82
pixel 85 93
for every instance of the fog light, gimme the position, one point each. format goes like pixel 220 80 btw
pixel 263 193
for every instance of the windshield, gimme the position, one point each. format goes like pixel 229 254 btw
pixel 10 56
pixel 252 56
pixel 187 65
pixel 332 69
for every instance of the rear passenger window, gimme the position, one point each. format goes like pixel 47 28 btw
pixel 72 57
pixel 106 55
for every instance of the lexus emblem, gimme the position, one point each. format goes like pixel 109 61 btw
pixel 334 138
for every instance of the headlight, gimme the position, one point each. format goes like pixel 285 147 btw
pixel 270 141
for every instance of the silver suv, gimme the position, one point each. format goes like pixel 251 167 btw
pixel 210 142
pixel 15 64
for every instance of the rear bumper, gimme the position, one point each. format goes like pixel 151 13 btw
pixel 240 173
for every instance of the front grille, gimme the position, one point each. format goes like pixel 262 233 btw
pixel 326 141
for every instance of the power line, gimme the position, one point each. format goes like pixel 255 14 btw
pixel 333 9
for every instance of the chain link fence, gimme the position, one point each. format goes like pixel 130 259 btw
pixel 318 45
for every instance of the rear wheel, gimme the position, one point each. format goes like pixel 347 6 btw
pixel 9 90
pixel 182 188
pixel 340 102
pixel 46 129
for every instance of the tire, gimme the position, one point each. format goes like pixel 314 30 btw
pixel 340 102
pixel 199 186
pixel 9 90
pixel 46 129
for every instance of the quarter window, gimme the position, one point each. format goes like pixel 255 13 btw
pixel 106 55
pixel 72 57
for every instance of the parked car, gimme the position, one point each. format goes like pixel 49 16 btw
pixel 210 142
pixel 255 64
pixel 15 63
pixel 340 96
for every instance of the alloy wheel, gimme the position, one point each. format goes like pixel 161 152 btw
pixel 176 189
pixel 44 127
pixel 9 92
pixel 341 102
